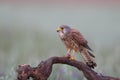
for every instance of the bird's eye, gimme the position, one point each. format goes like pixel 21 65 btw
pixel 62 28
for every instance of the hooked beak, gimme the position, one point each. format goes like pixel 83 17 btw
pixel 59 29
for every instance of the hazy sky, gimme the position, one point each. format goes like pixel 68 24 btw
pixel 98 20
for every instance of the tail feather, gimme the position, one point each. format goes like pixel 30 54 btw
pixel 90 52
pixel 88 57
pixel 91 64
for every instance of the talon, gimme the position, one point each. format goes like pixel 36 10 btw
pixel 72 58
pixel 67 55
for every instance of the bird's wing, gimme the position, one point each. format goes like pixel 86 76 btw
pixel 83 48
pixel 78 37
pixel 81 41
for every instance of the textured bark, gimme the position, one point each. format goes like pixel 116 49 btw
pixel 44 69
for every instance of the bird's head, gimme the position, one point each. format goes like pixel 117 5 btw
pixel 63 29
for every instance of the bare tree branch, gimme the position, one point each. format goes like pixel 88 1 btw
pixel 44 69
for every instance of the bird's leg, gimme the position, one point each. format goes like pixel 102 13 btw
pixel 72 55
pixel 68 53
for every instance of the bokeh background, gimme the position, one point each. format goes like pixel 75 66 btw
pixel 28 34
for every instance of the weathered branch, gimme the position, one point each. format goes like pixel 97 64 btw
pixel 44 69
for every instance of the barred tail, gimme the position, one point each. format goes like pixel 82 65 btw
pixel 88 58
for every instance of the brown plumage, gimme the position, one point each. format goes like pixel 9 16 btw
pixel 74 40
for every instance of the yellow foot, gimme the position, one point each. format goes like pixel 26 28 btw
pixel 69 57
pixel 72 58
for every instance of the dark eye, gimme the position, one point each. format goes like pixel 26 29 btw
pixel 62 28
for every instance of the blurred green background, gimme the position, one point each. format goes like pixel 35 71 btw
pixel 28 34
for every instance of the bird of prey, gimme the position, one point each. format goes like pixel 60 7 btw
pixel 75 42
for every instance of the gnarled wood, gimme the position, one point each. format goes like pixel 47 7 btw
pixel 44 69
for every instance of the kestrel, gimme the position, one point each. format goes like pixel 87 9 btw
pixel 75 42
